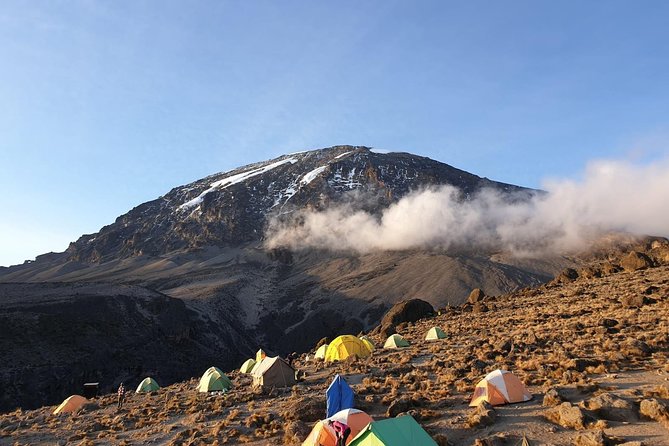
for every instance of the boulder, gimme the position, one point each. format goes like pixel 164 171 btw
pixel 654 409
pixel 406 311
pixel 477 295
pixel 567 275
pixel 566 415
pixel 593 438
pixel 635 261
pixel 552 398
pixel 634 301
pixel 483 415
pixel 611 407
pixel 398 406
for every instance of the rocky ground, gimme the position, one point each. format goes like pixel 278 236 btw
pixel 592 347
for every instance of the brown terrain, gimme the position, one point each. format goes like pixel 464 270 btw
pixel 592 346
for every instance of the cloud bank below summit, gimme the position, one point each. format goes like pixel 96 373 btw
pixel 612 196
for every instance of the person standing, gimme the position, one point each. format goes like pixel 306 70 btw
pixel 121 396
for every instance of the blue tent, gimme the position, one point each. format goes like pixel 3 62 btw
pixel 339 396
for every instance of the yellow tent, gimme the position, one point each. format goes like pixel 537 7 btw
pixel 320 353
pixel 344 346
pixel 260 355
pixel 71 404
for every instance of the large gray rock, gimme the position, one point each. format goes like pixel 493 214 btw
pixel 483 415
pixel 406 311
pixel 566 415
pixel 654 409
pixel 611 407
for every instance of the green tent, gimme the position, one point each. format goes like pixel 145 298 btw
pixel 395 341
pixel 213 381
pixel 400 431
pixel 247 366
pixel 435 333
pixel 147 385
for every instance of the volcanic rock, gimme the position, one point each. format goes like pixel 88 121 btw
pixel 477 295
pixel 654 409
pixel 635 261
pixel 406 311
pixel 483 415
pixel 566 415
pixel 611 407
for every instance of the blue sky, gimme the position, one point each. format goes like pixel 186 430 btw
pixel 108 104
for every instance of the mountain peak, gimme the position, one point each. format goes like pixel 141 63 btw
pixel 233 207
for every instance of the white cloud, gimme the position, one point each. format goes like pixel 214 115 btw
pixel 613 196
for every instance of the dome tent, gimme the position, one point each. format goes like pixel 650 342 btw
pixel 400 431
pixel 435 333
pixel 396 341
pixel 70 404
pixel 323 434
pixel 214 381
pixel 148 384
pixel 500 387
pixel 320 352
pixel 344 346
pixel 248 365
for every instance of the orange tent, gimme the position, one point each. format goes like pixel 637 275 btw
pixel 71 404
pixel 500 387
pixel 323 435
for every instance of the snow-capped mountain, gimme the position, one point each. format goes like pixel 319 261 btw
pixel 189 275
pixel 233 207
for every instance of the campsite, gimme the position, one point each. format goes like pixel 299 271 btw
pixel 587 356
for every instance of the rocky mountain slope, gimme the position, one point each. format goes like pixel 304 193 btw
pixel 202 244
pixel 592 346
pixel 232 208
pixel 57 336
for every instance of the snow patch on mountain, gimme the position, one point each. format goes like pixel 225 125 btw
pixel 343 154
pixel 309 177
pixel 234 179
